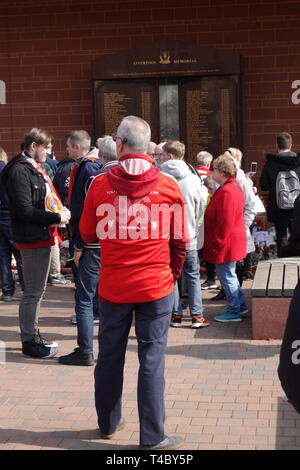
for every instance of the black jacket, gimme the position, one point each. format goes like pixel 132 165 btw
pixel 26 192
pixel 4 210
pixel 275 163
pixel 289 363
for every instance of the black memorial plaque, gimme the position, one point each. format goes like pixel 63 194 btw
pixel 117 99
pixel 158 80
pixel 209 115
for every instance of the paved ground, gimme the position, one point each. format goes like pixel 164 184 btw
pixel 222 390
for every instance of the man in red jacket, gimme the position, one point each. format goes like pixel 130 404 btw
pixel 138 214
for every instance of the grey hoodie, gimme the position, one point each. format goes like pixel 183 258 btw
pixel 195 196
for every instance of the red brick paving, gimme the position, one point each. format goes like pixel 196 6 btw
pixel 222 390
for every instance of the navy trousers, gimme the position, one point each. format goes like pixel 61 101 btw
pixel 7 249
pixel 152 321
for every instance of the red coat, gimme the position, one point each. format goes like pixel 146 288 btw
pixel 224 227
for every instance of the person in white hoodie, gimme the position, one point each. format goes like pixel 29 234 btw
pixel 195 196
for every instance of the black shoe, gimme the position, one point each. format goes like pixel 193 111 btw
pixel 176 321
pixel 8 298
pixel 120 426
pixel 39 347
pixel 76 358
pixel 171 442
pixel 208 285
pixel 220 296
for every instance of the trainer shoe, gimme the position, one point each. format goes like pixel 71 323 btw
pixel 228 317
pixel 76 358
pixel 199 322
pixel 120 426
pixel 167 443
pixel 220 296
pixel 58 280
pixel 39 347
pixel 208 285
pixel 176 321
pixel 8 298
pixel 243 311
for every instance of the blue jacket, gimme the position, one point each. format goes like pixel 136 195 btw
pixel 62 179
pixel 86 167
pixel 52 163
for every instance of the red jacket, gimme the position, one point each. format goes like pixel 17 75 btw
pixel 224 226
pixel 140 256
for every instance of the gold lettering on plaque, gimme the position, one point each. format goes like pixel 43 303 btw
pixel 164 57
pixel 185 61
pixel 225 109
pixel 115 108
pixel 144 62
pixel 146 106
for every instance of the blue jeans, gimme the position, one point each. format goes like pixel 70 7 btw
pixel 152 321
pixel 229 281
pixel 86 288
pixel 7 249
pixel 191 271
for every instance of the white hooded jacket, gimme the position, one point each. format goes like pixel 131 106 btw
pixel 195 195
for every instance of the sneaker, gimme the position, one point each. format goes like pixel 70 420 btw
pixel 43 341
pixel 199 322
pixel 8 298
pixel 176 321
pixel 76 358
pixel 220 296
pixel 58 280
pixel 167 443
pixel 39 347
pixel 120 426
pixel 244 311
pixel 208 285
pixel 228 317
pixel 74 320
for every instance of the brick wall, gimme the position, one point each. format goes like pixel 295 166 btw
pixel 47 47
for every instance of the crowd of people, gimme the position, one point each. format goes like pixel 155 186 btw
pixel 138 218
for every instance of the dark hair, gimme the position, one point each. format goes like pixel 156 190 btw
pixel 36 135
pixel 284 141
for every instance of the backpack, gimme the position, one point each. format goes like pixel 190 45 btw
pixel 287 189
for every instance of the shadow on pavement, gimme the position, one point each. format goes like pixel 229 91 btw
pixel 71 440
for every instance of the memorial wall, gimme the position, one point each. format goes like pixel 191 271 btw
pixel 190 94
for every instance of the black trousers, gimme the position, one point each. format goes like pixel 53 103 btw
pixel 282 236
